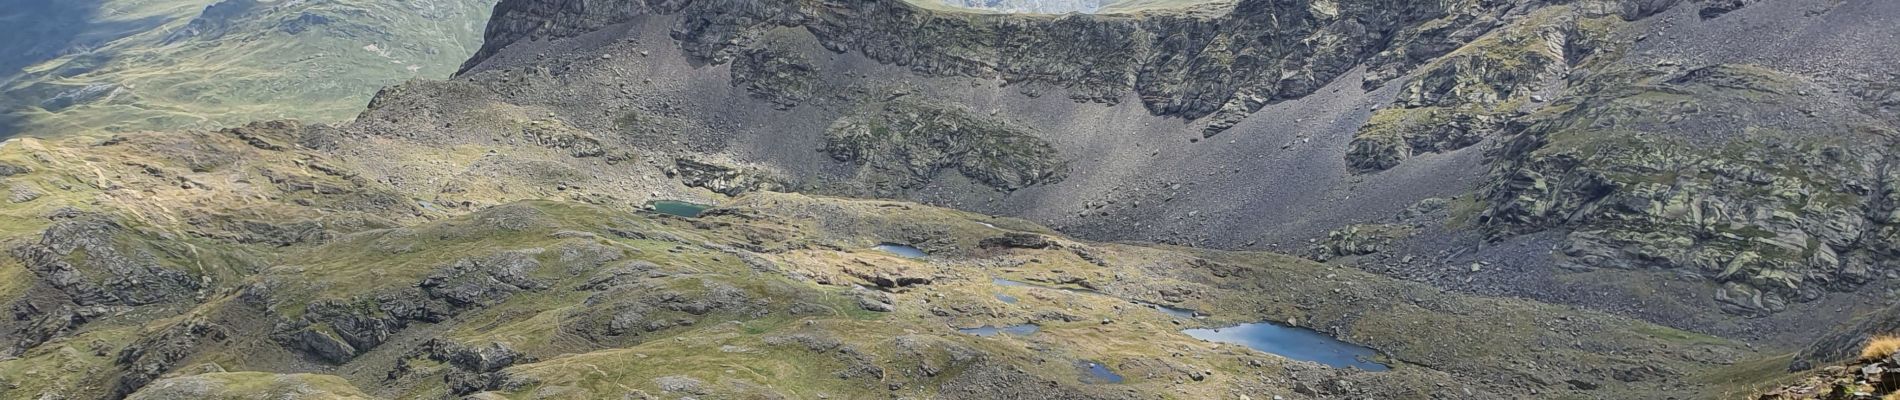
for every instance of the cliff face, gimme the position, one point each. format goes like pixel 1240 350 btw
pixel 1184 64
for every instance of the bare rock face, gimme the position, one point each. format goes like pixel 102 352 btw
pixel 770 72
pixel 902 145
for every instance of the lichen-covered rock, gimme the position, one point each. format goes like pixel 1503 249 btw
pixel 902 144
pixel 1358 240
pixel 325 346
pixel 872 300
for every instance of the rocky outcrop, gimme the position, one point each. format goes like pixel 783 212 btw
pixel 479 282
pixel 724 178
pixel 901 145
pixel 158 352
pixel 871 300
pixel 1467 96
pixel 1720 170
pixel 559 136
pixel 8 169
pixel 86 258
pixel 631 310
pixel 476 368
pixel 337 331
pixel 1867 378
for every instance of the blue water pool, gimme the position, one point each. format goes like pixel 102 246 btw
pixel 901 250
pixel 1099 373
pixel 1012 330
pixel 1294 343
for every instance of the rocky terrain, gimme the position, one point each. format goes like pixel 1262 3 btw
pixel 1503 199
pixel 1874 373
pixel 119 65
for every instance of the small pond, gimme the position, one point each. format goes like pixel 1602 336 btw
pixel 1294 343
pixel 901 250
pixel 1098 373
pixel 1012 330
pixel 1006 298
pixel 678 208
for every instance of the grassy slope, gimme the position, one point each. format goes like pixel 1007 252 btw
pixel 820 249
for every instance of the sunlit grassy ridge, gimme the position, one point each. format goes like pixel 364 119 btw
pixel 311 60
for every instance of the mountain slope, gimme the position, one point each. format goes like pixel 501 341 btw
pixel 1274 125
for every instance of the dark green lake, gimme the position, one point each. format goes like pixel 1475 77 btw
pixel 678 208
